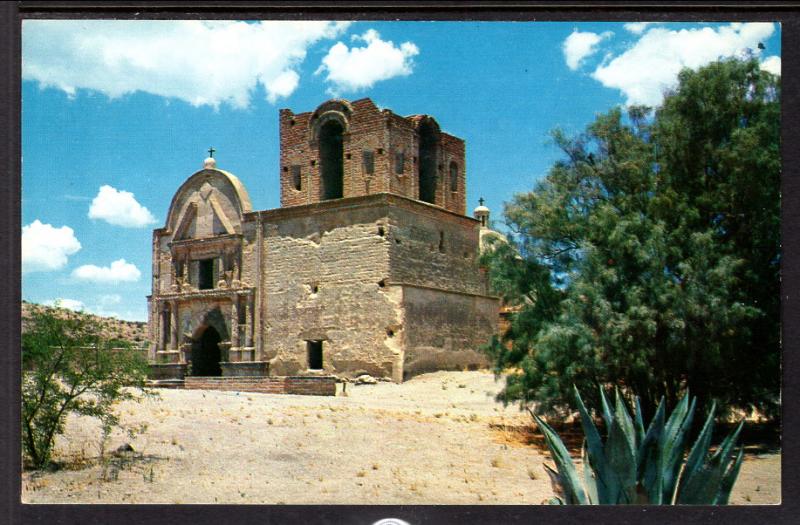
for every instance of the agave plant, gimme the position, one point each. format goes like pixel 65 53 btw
pixel 645 467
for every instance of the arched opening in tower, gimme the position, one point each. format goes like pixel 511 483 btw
pixel 331 160
pixel 427 163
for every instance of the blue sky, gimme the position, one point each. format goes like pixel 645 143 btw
pixel 117 114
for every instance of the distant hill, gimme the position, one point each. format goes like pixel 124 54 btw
pixel 134 332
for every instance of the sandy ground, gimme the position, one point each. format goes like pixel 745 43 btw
pixel 437 439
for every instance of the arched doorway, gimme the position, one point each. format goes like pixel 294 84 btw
pixel 427 162
pixel 206 354
pixel 331 161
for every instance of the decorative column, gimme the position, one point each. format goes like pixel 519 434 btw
pixel 248 315
pixel 235 321
pixel 160 326
pixel 173 325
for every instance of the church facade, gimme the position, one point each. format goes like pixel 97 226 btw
pixel 369 265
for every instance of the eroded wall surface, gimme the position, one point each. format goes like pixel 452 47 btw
pixel 325 280
pixel 444 330
pixel 389 285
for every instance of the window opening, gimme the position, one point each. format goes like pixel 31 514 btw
pixel 314 355
pixel 206 277
pixel 331 163
pixel 427 164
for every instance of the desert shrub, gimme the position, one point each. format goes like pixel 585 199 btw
pixel 69 368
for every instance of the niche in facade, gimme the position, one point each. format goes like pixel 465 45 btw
pixel 453 177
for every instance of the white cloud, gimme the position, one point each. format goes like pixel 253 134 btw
pixel 119 208
pixel 45 248
pixel 200 62
pixel 351 69
pixel 772 64
pixel 580 45
pixel 109 299
pixel 637 28
pixel 69 304
pixel 119 271
pixel 652 64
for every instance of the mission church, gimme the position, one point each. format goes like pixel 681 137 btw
pixel 369 266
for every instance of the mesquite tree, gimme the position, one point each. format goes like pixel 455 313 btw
pixel 69 368
pixel 649 256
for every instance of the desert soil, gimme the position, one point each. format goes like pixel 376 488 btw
pixel 439 438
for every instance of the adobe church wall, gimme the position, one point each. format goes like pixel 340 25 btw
pixel 443 331
pixel 435 249
pixel 324 280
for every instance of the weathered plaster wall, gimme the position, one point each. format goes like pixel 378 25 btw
pixel 334 271
pixel 443 331
pixel 324 279
pixel 434 248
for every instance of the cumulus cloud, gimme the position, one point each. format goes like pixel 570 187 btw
pixel 119 271
pixel 637 28
pixel 45 248
pixel 200 62
pixel 109 299
pixel 772 64
pixel 580 45
pixel 354 68
pixel 652 64
pixel 119 208
pixel 69 304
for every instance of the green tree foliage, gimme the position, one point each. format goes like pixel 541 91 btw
pixel 648 258
pixel 69 368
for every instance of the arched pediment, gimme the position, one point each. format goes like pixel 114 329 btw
pixel 338 110
pixel 426 123
pixel 211 202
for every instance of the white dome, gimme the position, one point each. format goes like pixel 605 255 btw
pixel 210 162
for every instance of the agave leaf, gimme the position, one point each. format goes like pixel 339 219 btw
pixel 714 479
pixel 697 455
pixel 728 479
pixel 626 423
pixel 596 457
pixel 639 422
pixel 556 483
pixel 622 461
pixel 728 443
pixel 650 458
pixel 699 450
pixel 573 491
pixel 676 419
pixel 703 487
pixel 589 477
pixel 608 413
pixel 673 455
